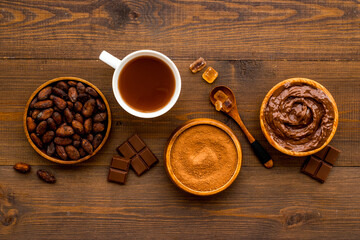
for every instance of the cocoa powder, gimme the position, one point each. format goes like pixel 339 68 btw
pixel 203 158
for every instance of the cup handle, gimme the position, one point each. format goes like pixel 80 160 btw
pixel 109 59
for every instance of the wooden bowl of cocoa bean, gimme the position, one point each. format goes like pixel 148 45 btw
pixel 67 120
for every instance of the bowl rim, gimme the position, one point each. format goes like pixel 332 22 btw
pixel 262 116
pixel 56 160
pixel 195 122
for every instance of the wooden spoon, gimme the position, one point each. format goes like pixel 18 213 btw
pixel 232 111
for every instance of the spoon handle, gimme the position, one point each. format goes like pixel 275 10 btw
pixel 262 154
pixel 237 119
pixel 259 151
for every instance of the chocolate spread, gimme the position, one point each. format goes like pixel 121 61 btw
pixel 299 117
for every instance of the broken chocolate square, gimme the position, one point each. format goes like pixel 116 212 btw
pixel 142 159
pixel 319 165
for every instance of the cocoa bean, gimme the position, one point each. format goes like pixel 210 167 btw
pixel 45 114
pixel 78 106
pixel 41 128
pixel 76 137
pixel 33 102
pixel 48 137
pixel 70 105
pixel 88 125
pixel 97 140
pixel 87 146
pixel 62 141
pixel 43 104
pixel 78 127
pixel 64 131
pixel 35 113
pixel 45 93
pixel 30 123
pixel 50 150
pixel 57 118
pixel 60 150
pixel 72 152
pixel 83 97
pixel 59 103
pixel 91 91
pixel 100 105
pixel 36 140
pixel 88 108
pixel 51 124
pixel 72 93
pixel 22 167
pixel 59 92
pixel 99 117
pixel 72 83
pixel 98 127
pixel 68 115
pixel 78 117
pixel 90 137
pixel 46 176
pixel 62 85
pixel 80 87
pixel 82 152
pixel 76 144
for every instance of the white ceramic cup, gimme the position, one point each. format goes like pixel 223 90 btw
pixel 118 65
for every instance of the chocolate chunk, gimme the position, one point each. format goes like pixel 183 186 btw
pixel 136 143
pixel 148 157
pixel 332 155
pixel 140 155
pixel 322 153
pixel 138 165
pixel 118 176
pixel 120 163
pixel 312 166
pixel 319 165
pixel 126 150
pixel 323 172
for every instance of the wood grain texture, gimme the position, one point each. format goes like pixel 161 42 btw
pixel 253 45
pixel 221 30
pixel 261 204
pixel 250 81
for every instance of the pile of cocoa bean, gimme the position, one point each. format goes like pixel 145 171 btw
pixel 67 120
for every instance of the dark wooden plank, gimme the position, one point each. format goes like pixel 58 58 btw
pixel 250 80
pixel 261 204
pixel 298 29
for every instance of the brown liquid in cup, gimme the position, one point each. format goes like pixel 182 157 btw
pixel 146 84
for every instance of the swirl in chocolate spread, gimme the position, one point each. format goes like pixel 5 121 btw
pixel 299 117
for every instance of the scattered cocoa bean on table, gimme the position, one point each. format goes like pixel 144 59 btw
pixel 46 176
pixel 22 167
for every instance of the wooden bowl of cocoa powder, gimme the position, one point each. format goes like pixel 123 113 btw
pixel 203 157
pixel 106 122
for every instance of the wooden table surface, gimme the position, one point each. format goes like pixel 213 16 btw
pixel 253 45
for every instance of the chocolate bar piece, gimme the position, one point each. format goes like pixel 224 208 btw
pixel 120 163
pixel 116 175
pixel 119 169
pixel 142 159
pixel 138 165
pixel 319 165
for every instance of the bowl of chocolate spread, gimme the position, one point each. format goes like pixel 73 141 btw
pixel 299 116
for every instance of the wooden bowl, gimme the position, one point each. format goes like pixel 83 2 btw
pixel 56 159
pixel 174 137
pixel 262 116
